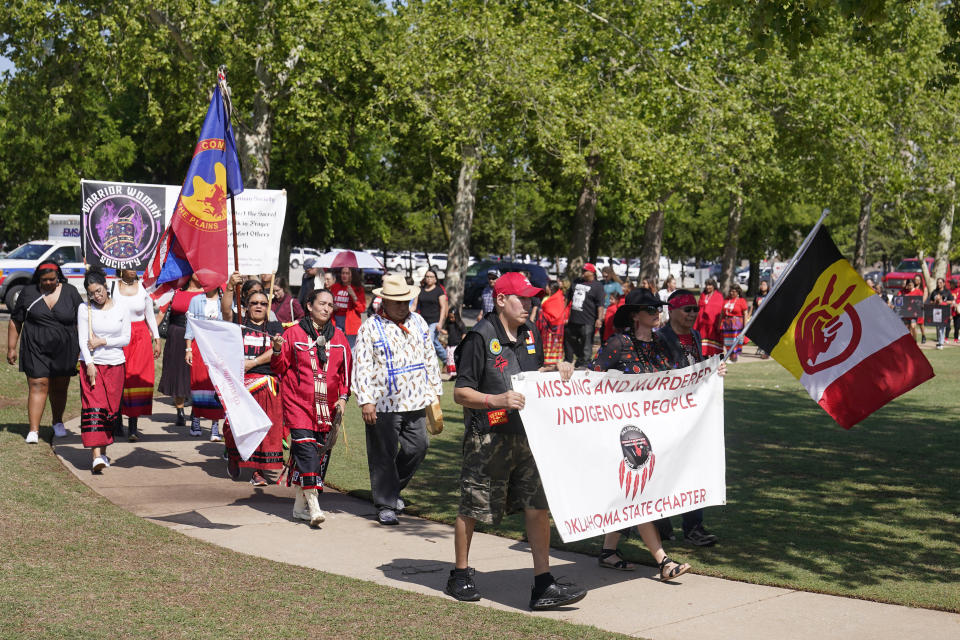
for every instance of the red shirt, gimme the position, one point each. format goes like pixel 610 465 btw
pixel 344 305
pixel 734 307
pixel 292 366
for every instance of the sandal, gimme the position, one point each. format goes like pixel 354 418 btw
pixel 619 565
pixel 677 571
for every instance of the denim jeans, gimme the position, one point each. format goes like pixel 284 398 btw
pixel 435 338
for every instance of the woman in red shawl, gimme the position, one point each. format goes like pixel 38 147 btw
pixel 616 301
pixel 550 321
pixel 313 364
pixel 708 320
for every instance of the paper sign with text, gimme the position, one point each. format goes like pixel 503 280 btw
pixel 616 450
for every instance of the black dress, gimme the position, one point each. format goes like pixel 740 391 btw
pixel 49 344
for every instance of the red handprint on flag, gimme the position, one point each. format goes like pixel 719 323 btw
pixel 821 323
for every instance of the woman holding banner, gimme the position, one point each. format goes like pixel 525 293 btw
pixel 103 331
pixel 313 361
pixel 140 354
pixel 263 385
pixel 44 322
pixel 635 349
pixel 206 404
pixel 175 379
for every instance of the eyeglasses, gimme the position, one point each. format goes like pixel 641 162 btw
pixel 691 309
pixel 256 304
pixel 651 310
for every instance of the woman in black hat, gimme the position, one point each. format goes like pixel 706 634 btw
pixel 635 349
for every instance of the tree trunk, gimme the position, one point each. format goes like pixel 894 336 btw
pixel 729 259
pixel 254 139
pixel 945 237
pixel 652 244
pixel 583 219
pixel 459 251
pixel 863 228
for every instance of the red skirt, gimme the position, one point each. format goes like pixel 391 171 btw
pixel 138 386
pixel 206 403
pixel 100 404
pixel 269 455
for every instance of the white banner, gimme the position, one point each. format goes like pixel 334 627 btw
pixel 615 450
pixel 260 217
pixel 221 345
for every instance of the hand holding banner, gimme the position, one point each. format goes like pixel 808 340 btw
pixel 615 450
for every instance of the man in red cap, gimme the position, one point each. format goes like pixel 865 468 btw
pixel 499 473
pixel 586 316
pixel 685 347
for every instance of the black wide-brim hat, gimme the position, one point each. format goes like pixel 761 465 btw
pixel 636 300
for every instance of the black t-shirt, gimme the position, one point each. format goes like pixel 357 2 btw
pixel 428 304
pixel 256 340
pixel 945 295
pixel 585 298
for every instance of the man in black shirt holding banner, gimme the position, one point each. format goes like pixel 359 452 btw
pixel 499 473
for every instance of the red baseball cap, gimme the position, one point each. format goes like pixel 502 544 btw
pixel 589 266
pixel 515 283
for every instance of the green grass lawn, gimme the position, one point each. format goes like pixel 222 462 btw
pixel 873 512
pixel 76 566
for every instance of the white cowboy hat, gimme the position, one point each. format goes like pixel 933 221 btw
pixel 395 287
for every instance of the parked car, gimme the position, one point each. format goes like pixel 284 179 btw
pixel 299 254
pixel 906 270
pixel 477 278
pixel 437 260
pixel 18 266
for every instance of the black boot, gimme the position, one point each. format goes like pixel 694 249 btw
pixel 118 427
pixel 133 434
pixel 181 418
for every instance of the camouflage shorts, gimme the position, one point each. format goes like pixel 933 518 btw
pixel 498 476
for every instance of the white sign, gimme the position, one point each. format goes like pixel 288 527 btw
pixel 615 450
pixel 260 215
pixel 221 345
pixel 63 228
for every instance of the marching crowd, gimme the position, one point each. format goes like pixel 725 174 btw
pixel 305 356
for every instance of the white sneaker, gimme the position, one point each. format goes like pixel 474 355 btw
pixel 99 464
pixel 32 438
pixel 60 431
pixel 215 433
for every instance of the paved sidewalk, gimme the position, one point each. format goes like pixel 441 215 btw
pixel 181 482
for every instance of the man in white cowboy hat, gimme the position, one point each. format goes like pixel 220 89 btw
pixel 395 377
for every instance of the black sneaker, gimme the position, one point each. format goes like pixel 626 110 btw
pixel 461 587
pixel 387 517
pixel 558 594
pixel 700 537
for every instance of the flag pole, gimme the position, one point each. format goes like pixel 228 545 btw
pixel 228 104
pixel 781 279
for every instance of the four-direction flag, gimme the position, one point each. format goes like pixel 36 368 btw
pixel 195 241
pixel 834 334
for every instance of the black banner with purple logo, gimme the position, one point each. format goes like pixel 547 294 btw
pixel 121 223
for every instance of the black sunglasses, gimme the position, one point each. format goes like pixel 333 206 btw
pixel 651 310
pixel 691 309
pixel 256 304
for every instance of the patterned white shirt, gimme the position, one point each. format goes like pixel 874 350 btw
pixel 395 369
